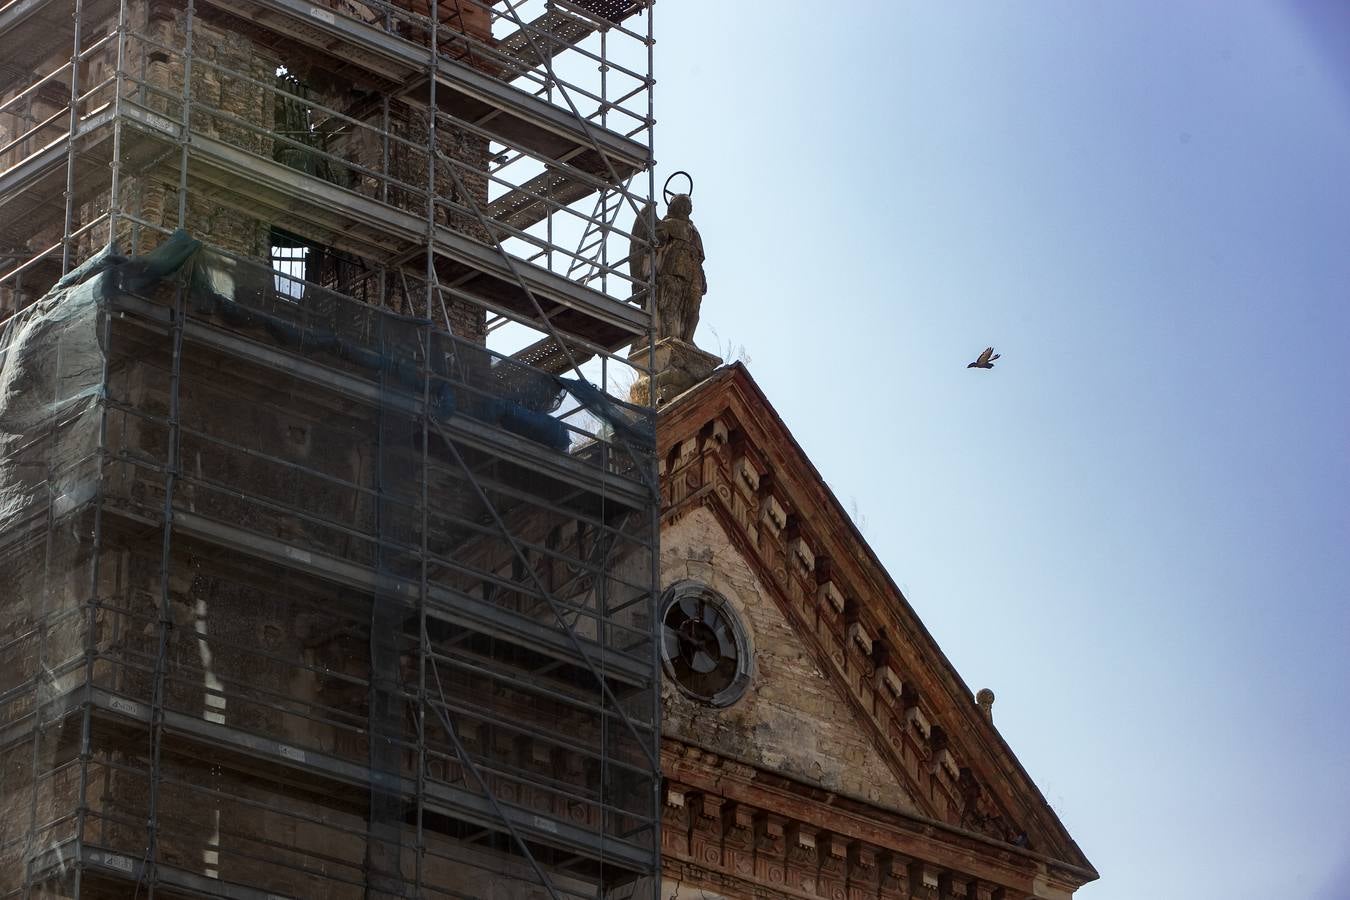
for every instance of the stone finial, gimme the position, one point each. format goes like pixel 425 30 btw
pixel 985 700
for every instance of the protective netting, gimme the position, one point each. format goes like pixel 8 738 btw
pixel 307 598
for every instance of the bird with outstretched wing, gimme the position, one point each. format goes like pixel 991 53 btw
pixel 985 361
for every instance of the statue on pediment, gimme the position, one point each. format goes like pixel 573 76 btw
pixel 680 279
pixel 681 282
pixel 674 247
pixel 670 250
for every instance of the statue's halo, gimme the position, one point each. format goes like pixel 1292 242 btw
pixel 667 193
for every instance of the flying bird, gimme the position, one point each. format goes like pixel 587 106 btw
pixel 986 360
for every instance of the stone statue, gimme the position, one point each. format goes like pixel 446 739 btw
pixel 680 281
pixel 673 248
pixel 642 243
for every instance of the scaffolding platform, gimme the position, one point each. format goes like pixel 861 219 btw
pixel 313 582
pixel 33 192
pixel 32 31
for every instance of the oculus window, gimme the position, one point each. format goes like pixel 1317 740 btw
pixel 704 646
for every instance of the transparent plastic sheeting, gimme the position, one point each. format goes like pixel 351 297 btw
pixel 51 371
pixel 510 394
pixel 289 692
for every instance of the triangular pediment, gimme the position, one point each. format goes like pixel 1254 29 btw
pixel 742 503
pixel 790 717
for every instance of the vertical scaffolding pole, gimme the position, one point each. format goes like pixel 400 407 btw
pixel 119 88
pixel 70 138
pixel 577 679
pixel 423 636
pixel 165 622
pixel 166 618
pixel 653 602
pixel 433 65
pixel 93 602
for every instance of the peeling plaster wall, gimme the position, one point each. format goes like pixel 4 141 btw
pixel 792 719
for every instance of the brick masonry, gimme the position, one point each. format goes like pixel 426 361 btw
pixel 857 765
pixel 792 719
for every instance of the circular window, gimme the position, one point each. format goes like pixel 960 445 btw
pixel 703 644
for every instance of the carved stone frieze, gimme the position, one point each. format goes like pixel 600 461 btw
pixel 791 843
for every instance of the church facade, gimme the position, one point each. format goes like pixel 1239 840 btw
pixel 816 741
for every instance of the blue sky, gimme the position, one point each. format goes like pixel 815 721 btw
pixel 1135 528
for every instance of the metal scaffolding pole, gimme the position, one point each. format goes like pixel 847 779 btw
pixel 421 571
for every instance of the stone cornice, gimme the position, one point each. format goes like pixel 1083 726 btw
pixel 722 446
pixel 724 817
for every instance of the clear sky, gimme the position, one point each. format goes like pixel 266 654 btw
pixel 1136 528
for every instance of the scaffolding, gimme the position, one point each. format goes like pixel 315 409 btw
pixel 327 555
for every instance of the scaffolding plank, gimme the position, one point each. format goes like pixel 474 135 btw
pixel 357 223
pixel 128 871
pixel 38 180
pixel 32 31
pixel 259 182
pixel 464 91
pixel 444 798
pixel 444 604
pixel 584 156
pixel 616 488
pixel 534 125
pixel 460 804
pixel 606 11
pixel 351 221
pixel 541 40
pixel 51 711
pixel 525 206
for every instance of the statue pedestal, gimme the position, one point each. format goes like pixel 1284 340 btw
pixel 676 366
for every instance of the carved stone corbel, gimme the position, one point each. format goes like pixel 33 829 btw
pixel 770 848
pixel 953 886
pixel 986 890
pixel 705 842
pixel 833 878
pixel 893 881
pixel 675 819
pixel 801 857
pixel 863 873
pixel 738 839
pixel 923 880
